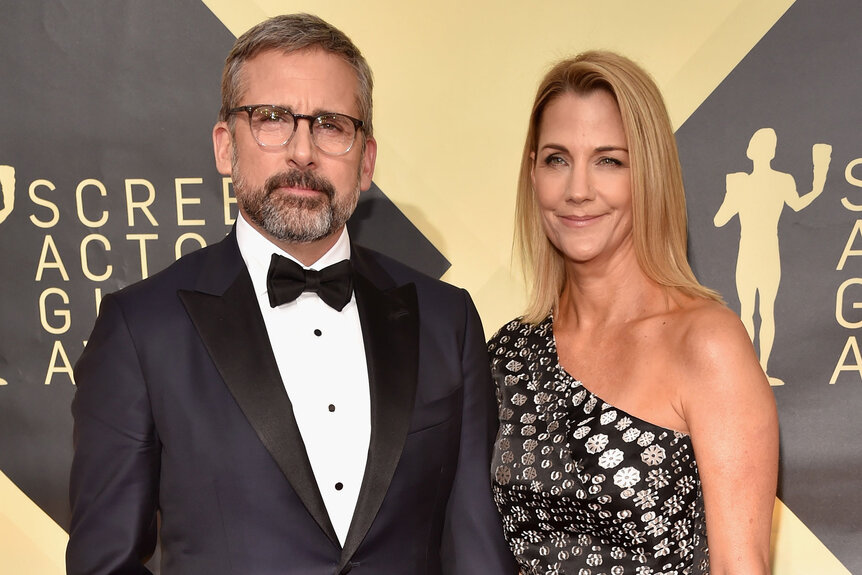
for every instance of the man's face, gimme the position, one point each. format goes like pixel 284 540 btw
pixel 295 193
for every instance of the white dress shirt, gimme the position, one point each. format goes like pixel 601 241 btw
pixel 321 357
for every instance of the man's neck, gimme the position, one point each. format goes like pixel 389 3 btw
pixel 305 253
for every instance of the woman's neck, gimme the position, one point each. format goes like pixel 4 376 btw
pixel 597 296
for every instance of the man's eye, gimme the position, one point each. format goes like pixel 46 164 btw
pixel 265 116
pixel 330 125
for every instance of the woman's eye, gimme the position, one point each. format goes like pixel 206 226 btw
pixel 554 160
pixel 608 161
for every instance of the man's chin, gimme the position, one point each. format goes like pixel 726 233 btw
pixel 294 232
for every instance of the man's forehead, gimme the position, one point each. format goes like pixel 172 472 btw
pixel 310 80
pixel 311 65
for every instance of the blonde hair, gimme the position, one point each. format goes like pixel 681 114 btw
pixel 658 198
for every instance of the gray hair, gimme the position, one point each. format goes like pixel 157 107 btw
pixel 291 33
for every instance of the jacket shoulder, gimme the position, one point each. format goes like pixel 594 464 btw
pixel 401 273
pixel 213 267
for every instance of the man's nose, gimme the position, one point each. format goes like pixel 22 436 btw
pixel 301 150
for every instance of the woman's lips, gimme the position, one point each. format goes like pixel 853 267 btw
pixel 579 221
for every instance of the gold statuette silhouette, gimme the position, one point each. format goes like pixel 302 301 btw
pixel 759 198
pixel 7 191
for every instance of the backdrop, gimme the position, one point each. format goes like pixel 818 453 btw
pixel 106 111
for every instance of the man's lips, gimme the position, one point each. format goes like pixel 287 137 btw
pixel 299 184
pixel 298 190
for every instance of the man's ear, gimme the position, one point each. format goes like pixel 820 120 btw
pixel 369 157
pixel 223 148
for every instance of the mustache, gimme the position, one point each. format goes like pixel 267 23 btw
pixel 299 179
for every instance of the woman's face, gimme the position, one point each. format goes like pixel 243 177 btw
pixel 582 177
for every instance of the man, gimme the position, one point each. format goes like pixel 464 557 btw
pixel 344 428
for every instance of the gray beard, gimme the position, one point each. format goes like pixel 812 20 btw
pixel 295 219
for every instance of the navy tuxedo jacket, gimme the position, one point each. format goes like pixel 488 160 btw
pixel 180 410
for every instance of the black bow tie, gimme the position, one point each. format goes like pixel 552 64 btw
pixel 287 279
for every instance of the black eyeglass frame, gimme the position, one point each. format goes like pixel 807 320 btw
pixel 312 120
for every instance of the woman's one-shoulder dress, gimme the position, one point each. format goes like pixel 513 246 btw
pixel 585 488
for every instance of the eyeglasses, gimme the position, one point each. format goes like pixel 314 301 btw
pixel 274 126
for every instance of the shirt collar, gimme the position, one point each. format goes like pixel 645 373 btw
pixel 256 250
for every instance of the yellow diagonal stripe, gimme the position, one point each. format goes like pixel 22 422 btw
pixel 30 542
pixel 797 551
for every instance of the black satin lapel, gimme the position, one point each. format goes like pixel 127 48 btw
pixel 233 332
pixel 390 328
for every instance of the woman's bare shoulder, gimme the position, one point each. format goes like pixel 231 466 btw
pixel 707 329
pixel 715 356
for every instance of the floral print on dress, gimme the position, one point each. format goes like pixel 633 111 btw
pixel 583 487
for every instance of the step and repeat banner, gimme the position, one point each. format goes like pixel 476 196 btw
pixel 107 176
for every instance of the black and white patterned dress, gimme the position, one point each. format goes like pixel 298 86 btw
pixel 583 487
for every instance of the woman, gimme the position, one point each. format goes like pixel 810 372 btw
pixel 638 432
